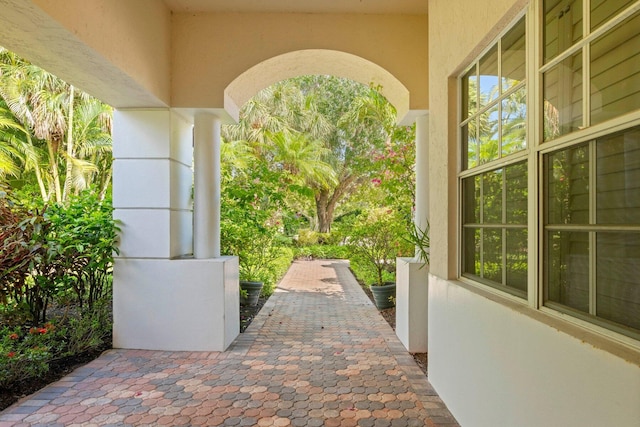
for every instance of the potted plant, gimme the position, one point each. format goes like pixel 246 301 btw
pixel 376 240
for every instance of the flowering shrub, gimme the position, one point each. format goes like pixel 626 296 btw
pixel 24 355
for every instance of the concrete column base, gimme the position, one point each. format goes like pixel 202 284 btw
pixel 412 300
pixel 176 305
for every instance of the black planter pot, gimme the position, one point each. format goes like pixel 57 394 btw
pixel 253 292
pixel 381 295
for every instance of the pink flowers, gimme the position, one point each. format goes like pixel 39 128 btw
pixel 13 336
pixel 376 181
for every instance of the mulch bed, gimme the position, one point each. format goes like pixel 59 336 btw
pixel 57 369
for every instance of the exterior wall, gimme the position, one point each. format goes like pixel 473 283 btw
pixel 211 49
pixel 492 360
pixel 495 366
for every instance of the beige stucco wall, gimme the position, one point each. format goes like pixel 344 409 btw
pixel 458 31
pixel 132 35
pixel 211 50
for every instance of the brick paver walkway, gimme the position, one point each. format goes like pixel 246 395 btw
pixel 317 354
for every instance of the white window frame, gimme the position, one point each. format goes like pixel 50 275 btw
pixel 536 149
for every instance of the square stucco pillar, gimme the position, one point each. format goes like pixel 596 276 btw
pixel 163 298
pixel 412 290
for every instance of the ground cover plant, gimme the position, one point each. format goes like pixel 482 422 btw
pixel 55 287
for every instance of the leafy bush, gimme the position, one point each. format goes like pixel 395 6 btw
pixel 377 238
pixel 65 248
pixel 82 239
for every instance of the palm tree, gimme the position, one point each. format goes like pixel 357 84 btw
pixel 67 132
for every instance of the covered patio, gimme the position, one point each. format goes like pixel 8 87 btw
pixel 521 331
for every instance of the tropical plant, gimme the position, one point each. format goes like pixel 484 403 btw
pixel 52 129
pixel 377 238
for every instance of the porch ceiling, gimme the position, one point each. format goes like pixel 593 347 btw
pixel 413 7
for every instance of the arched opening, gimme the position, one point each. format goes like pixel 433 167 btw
pixel 314 61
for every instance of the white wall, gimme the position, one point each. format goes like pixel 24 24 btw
pixel 495 366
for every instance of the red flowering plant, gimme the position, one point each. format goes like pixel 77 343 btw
pixel 25 353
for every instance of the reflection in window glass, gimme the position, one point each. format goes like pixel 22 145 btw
pixel 618 278
pixel 514 126
pixel 493 252
pixel 563 26
pixel 513 56
pixel 489 148
pixel 492 255
pixel 471 261
pixel 516 193
pixel 489 89
pixel 618 178
pixel 604 10
pixel 568 269
pixel 471 194
pixel 470 144
pixel 567 175
pixel 492 197
pixel 469 93
pixel 516 263
pixel 615 71
pixel 562 93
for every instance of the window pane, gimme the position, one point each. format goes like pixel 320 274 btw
pixel 615 71
pixel 517 190
pixel 471 261
pixel 604 10
pixel 563 97
pixel 488 137
pixel 563 26
pixel 567 180
pixel 471 198
pixel 492 197
pixel 618 178
pixel 513 56
pixel 517 259
pixel 618 278
pixel 514 126
pixel 469 145
pixel 568 269
pixel 469 94
pixel 489 77
pixel 492 255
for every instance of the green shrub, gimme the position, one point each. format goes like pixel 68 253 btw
pixel 376 239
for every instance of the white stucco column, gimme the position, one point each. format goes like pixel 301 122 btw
pixel 206 199
pixel 422 171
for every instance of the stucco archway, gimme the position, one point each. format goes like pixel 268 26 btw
pixel 314 61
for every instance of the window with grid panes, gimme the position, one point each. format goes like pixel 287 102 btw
pixel 591 161
pixel 494 182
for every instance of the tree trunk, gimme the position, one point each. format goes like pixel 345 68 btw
pixel 69 176
pixel 53 163
pixel 325 216
pixel 326 202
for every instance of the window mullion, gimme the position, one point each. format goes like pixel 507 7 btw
pixel 504 229
pixel 534 137
pixel 592 221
